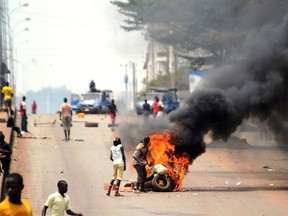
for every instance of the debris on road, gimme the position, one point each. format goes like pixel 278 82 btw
pixel 91 124
pixel 79 140
pixel 44 123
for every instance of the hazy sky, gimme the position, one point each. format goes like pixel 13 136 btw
pixel 71 42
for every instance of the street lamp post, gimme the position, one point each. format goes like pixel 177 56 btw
pixel 7 29
pixel 11 30
pixel 43 69
pixel 14 55
pixel 126 80
pixel 11 48
pixel 134 84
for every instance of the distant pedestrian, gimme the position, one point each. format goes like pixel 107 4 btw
pixel 117 155
pixel 59 202
pixel 13 204
pixel 112 110
pixel 23 113
pixel 140 162
pixel 65 116
pixel 34 107
pixel 155 106
pixel 7 92
pixel 146 110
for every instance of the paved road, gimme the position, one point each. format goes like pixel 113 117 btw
pixel 223 181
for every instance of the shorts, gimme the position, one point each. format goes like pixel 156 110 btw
pixel 8 103
pixel 66 122
pixel 118 170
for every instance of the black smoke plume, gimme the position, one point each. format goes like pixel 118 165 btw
pixel 254 85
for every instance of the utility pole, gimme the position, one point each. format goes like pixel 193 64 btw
pixel 126 79
pixel 134 84
pixel 1 29
pixel 1 46
pixel 171 64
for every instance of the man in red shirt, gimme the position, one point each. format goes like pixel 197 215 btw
pixel 23 114
pixel 66 117
pixel 155 106
pixel 34 107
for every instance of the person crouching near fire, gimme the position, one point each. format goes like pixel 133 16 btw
pixel 140 162
pixel 117 155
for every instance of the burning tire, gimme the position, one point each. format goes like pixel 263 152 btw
pixel 173 183
pixel 161 183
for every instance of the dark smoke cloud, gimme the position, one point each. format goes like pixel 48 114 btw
pixel 257 83
pixel 253 85
pixel 206 110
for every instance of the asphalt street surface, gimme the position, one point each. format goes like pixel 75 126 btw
pixel 229 179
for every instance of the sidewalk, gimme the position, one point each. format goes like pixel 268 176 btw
pixel 8 138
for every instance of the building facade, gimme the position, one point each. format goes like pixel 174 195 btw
pixel 160 60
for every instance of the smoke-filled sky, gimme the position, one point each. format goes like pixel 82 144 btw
pixel 253 84
pixel 71 42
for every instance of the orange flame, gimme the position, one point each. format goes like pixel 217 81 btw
pixel 161 151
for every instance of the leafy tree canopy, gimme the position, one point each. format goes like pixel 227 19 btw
pixel 218 26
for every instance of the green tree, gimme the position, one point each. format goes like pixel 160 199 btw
pixel 218 26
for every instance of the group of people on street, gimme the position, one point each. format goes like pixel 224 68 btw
pixel 8 93
pixel 117 156
pixel 66 113
pixel 157 109
pixel 14 204
pixel 59 202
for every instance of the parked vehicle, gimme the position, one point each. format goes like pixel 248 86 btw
pixel 92 102
pixel 75 98
pixel 168 98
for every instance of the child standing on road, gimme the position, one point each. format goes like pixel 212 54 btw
pixel 117 156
